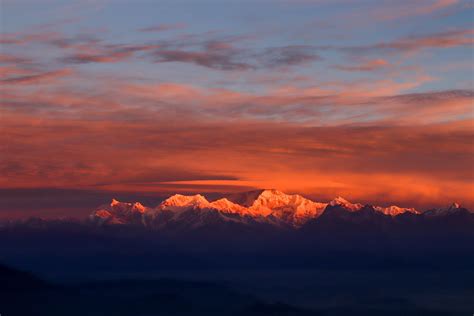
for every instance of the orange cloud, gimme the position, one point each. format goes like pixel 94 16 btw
pixel 404 164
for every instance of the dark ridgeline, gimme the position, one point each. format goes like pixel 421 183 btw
pixel 24 294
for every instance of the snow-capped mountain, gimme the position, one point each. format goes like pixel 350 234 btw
pixel 226 206
pixel 119 213
pixel 180 202
pixel 339 201
pixel 451 209
pixel 394 210
pixel 196 211
pixel 271 207
pixel 293 209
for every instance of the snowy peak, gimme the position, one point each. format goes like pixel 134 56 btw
pixel 269 206
pixel 339 201
pixel 226 206
pixel 114 202
pixel 453 208
pixel 123 207
pixel 273 199
pixel 291 208
pixel 395 210
pixel 392 210
pixel 273 194
pixel 269 200
pixel 119 213
pixel 117 204
pixel 104 214
pixel 179 201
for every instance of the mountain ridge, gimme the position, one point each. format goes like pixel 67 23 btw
pixel 269 206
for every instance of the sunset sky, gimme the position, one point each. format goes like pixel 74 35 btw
pixel 371 100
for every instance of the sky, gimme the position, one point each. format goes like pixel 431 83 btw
pixel 371 100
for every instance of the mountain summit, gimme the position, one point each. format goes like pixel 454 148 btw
pixel 268 206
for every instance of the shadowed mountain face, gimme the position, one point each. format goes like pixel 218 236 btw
pixel 23 294
pixel 13 280
pixel 338 292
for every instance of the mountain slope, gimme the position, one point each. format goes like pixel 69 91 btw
pixel 269 207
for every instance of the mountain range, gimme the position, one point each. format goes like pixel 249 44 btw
pixel 255 230
pixel 270 207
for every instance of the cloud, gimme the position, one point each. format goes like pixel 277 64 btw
pixel 224 55
pixel 23 38
pixel 79 48
pixel 370 65
pixel 163 27
pixel 222 60
pixel 36 78
pixel 433 97
pixel 330 138
pixel 445 39
pixel 104 53
pixel 408 160
pixel 288 56
pixel 405 9
pixel 229 53
pixel 431 106
pixel 408 44
pixel 10 59
pixel 331 103
pixel 208 50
